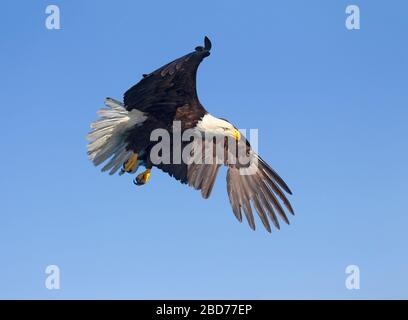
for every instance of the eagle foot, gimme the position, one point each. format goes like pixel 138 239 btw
pixel 142 178
pixel 131 163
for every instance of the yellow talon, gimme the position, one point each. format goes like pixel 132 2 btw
pixel 146 175
pixel 142 178
pixel 131 163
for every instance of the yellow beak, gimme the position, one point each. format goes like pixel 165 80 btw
pixel 237 135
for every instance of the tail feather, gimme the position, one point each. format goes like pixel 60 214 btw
pixel 107 139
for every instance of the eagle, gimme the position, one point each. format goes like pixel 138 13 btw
pixel 122 141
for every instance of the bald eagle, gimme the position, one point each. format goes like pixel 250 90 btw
pixel 122 140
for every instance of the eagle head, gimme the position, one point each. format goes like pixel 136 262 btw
pixel 217 127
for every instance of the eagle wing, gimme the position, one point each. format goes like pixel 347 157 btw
pixel 255 185
pixel 163 91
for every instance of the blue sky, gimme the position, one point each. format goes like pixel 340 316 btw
pixel 331 108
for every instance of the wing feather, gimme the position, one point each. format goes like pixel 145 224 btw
pixel 209 180
pixel 261 189
pixel 261 213
pixel 232 195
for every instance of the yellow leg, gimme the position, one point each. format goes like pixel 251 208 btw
pixel 131 163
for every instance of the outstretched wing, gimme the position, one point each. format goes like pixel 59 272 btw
pixel 161 92
pixel 261 187
pixel 254 184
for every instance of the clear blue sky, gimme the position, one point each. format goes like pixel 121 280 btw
pixel 331 106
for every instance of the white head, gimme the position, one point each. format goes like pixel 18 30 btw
pixel 217 127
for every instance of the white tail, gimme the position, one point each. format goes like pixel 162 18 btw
pixel 108 136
